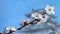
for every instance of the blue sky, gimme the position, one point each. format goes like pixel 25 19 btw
pixel 12 11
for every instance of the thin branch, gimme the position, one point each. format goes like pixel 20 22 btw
pixel 28 24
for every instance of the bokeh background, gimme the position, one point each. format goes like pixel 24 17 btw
pixel 12 12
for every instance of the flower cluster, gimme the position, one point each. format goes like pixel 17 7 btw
pixel 49 9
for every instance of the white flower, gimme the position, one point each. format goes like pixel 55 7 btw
pixel 49 9
pixel 43 20
pixel 36 15
pixel 10 28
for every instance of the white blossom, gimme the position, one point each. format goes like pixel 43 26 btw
pixel 36 15
pixel 43 20
pixel 10 28
pixel 49 9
